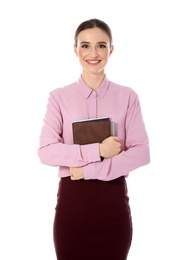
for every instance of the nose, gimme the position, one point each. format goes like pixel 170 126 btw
pixel 94 52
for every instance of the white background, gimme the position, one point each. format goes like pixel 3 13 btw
pixel 36 56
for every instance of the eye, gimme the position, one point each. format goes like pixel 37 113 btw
pixel 102 46
pixel 85 46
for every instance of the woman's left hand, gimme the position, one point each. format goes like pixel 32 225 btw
pixel 76 173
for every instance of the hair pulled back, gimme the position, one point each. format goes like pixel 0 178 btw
pixel 93 23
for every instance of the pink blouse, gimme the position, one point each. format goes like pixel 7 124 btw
pixel 77 101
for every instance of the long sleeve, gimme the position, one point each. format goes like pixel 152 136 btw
pixel 135 148
pixel 76 102
pixel 53 150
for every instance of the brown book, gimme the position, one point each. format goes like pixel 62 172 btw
pixel 91 130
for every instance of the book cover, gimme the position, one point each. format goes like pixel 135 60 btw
pixel 93 130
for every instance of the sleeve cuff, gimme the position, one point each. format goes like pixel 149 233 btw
pixel 89 172
pixel 92 152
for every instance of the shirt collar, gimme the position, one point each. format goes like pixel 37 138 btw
pixel 86 91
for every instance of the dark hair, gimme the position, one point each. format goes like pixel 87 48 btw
pixel 93 23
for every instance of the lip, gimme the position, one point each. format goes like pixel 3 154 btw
pixel 93 62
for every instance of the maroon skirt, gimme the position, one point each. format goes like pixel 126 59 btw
pixel 92 220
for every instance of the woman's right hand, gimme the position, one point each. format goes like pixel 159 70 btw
pixel 110 147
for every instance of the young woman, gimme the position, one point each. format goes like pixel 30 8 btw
pixel 93 218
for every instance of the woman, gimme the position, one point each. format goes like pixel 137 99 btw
pixel 93 218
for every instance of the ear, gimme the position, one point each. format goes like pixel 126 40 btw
pixel 111 50
pixel 75 50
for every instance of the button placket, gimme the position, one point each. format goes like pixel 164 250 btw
pixel 93 105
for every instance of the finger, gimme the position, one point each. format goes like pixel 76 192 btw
pixel 116 138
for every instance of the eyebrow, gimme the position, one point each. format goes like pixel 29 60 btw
pixel 84 42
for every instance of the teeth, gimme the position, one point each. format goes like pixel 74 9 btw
pixel 91 61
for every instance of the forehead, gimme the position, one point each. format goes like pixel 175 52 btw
pixel 93 35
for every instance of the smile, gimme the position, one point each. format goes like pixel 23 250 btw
pixel 93 62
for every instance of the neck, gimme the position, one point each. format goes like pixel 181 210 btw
pixel 93 80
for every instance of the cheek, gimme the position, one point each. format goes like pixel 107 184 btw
pixel 81 54
pixel 105 54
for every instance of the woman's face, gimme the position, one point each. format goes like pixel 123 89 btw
pixel 93 50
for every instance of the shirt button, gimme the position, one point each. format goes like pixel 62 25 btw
pixel 94 93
